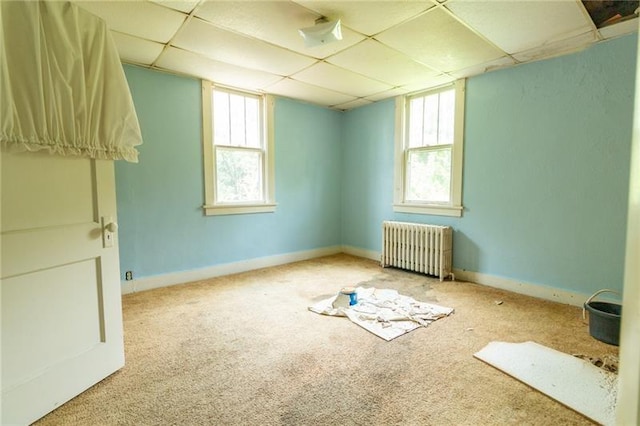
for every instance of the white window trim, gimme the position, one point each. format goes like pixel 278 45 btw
pixel 211 208
pixel 454 208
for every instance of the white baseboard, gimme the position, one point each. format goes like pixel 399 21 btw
pixel 164 280
pixel 515 286
pixel 535 290
pixel 358 252
pixel 157 281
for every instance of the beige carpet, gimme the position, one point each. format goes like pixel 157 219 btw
pixel 244 350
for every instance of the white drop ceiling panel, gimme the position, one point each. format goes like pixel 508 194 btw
pixel 184 62
pixel 486 67
pixel 276 22
pixel 439 41
pixel 340 80
pixel 432 83
pixel 558 48
pixel 376 60
pixel 136 50
pixel 215 43
pixel 386 94
pixel 515 26
pixel 307 92
pixel 389 47
pixel 138 18
pixel 353 104
pixel 185 6
pixel 368 17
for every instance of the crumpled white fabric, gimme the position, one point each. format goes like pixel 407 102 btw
pixel 385 312
pixel 62 86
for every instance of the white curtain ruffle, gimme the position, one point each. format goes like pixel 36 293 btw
pixel 62 87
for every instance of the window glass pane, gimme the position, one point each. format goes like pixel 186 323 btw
pixel 239 175
pixel 221 118
pixel 431 120
pixel 252 119
pixel 236 109
pixel 446 114
pixel 415 122
pixel 429 175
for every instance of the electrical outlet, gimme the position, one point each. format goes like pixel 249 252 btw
pixel 128 276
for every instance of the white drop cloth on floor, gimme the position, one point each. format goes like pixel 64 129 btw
pixel 384 312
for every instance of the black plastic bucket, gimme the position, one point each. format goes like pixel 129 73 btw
pixel 604 319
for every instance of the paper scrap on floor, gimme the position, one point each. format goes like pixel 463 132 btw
pixel 384 312
pixel 572 381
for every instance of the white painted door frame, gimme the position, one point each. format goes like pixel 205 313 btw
pixel 628 409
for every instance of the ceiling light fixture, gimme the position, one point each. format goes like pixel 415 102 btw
pixel 323 32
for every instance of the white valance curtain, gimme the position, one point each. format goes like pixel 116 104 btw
pixel 62 87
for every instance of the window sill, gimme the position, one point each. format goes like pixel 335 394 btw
pixel 239 209
pixel 433 209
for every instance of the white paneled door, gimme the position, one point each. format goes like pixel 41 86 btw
pixel 60 288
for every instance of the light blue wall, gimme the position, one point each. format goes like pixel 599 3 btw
pixel 545 179
pixel 367 194
pixel 162 226
pixel 546 171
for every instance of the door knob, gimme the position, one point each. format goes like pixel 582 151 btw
pixel 109 228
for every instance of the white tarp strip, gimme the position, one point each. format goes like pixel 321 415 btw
pixel 576 383
pixel 384 312
pixel 62 86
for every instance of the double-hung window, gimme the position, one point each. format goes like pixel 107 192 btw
pixel 238 150
pixel 429 148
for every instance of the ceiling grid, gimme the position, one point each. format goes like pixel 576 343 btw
pixel 388 48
